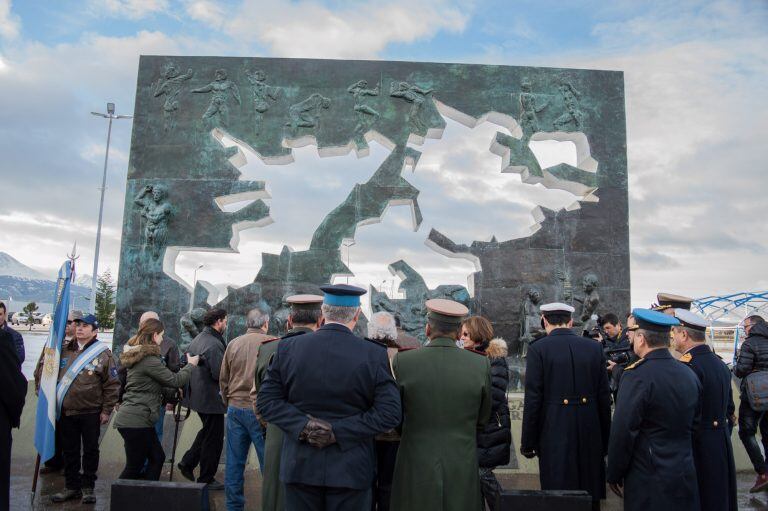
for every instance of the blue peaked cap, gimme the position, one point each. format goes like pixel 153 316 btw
pixel 653 320
pixel 342 295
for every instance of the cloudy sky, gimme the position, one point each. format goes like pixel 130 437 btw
pixel 696 78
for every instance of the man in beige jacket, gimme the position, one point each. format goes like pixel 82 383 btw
pixel 243 429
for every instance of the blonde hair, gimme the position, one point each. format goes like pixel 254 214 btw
pixel 146 333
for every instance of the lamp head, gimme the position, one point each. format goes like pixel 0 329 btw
pixel 110 108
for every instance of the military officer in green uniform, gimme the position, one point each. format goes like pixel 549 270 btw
pixel 446 396
pixel 305 317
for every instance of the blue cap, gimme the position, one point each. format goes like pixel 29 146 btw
pixel 89 319
pixel 652 320
pixel 342 295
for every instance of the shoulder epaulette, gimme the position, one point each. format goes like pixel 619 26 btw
pixel 475 351
pixel 399 350
pixel 270 340
pixel 374 341
pixel 634 365
pixel 686 358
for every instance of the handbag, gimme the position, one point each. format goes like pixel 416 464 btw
pixel 756 384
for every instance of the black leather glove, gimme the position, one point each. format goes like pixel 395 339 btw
pixel 528 454
pixel 317 433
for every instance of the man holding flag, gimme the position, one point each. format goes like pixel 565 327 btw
pixel 79 388
pixel 87 393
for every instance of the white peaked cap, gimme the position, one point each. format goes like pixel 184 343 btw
pixel 556 307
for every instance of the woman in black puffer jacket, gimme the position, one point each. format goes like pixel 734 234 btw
pixel 493 442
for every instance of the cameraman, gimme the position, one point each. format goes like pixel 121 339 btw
pixel 624 341
pixel 617 347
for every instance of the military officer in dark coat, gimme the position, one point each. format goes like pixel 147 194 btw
pixel 650 456
pixel 304 318
pixel 712 449
pixel 331 393
pixel 567 410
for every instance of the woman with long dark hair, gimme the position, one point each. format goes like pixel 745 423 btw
pixel 146 382
pixel 493 442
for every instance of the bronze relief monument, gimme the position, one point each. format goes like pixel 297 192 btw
pixel 180 174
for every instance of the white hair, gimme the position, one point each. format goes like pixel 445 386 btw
pixel 382 327
pixel 257 317
pixel 338 313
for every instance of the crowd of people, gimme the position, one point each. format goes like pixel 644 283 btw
pixel 340 422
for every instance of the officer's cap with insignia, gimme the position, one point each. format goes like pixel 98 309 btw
pixel 671 301
pixel 304 302
pixel 342 295
pixel 446 311
pixel 656 321
pixel 691 320
pixel 556 308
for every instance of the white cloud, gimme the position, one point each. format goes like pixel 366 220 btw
pixel 358 30
pixel 10 24
pixel 207 11
pixel 131 9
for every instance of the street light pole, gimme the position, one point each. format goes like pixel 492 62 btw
pixel 194 285
pixel 109 115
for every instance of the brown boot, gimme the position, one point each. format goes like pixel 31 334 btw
pixel 760 484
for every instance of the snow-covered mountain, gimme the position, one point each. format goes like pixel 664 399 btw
pixel 12 268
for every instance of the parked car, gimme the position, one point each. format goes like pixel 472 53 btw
pixel 46 320
pixel 19 318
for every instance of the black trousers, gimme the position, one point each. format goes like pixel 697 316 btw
pixel 5 461
pixel 489 487
pixel 142 447
pixel 386 454
pixel 206 449
pixel 57 462
pixel 304 497
pixel 749 421
pixel 80 432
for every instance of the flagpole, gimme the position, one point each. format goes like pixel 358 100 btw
pixel 34 482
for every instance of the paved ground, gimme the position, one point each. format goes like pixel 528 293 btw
pixel 21 483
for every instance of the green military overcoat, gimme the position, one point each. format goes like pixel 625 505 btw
pixel 272 490
pixel 446 395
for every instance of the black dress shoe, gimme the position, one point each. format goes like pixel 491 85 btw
pixel 186 472
pixel 215 485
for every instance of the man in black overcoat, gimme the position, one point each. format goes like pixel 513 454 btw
pixel 567 412
pixel 712 449
pixel 331 393
pixel 650 455
pixel 14 391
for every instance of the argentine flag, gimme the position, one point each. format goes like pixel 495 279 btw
pixel 45 420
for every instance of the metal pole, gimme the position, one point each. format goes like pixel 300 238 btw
pixel 98 229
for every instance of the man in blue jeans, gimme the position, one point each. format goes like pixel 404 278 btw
pixel 236 379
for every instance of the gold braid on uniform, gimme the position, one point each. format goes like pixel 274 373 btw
pixel 634 365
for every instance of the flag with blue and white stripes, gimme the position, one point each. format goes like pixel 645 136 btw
pixel 45 420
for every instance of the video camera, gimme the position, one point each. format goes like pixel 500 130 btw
pixel 619 356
